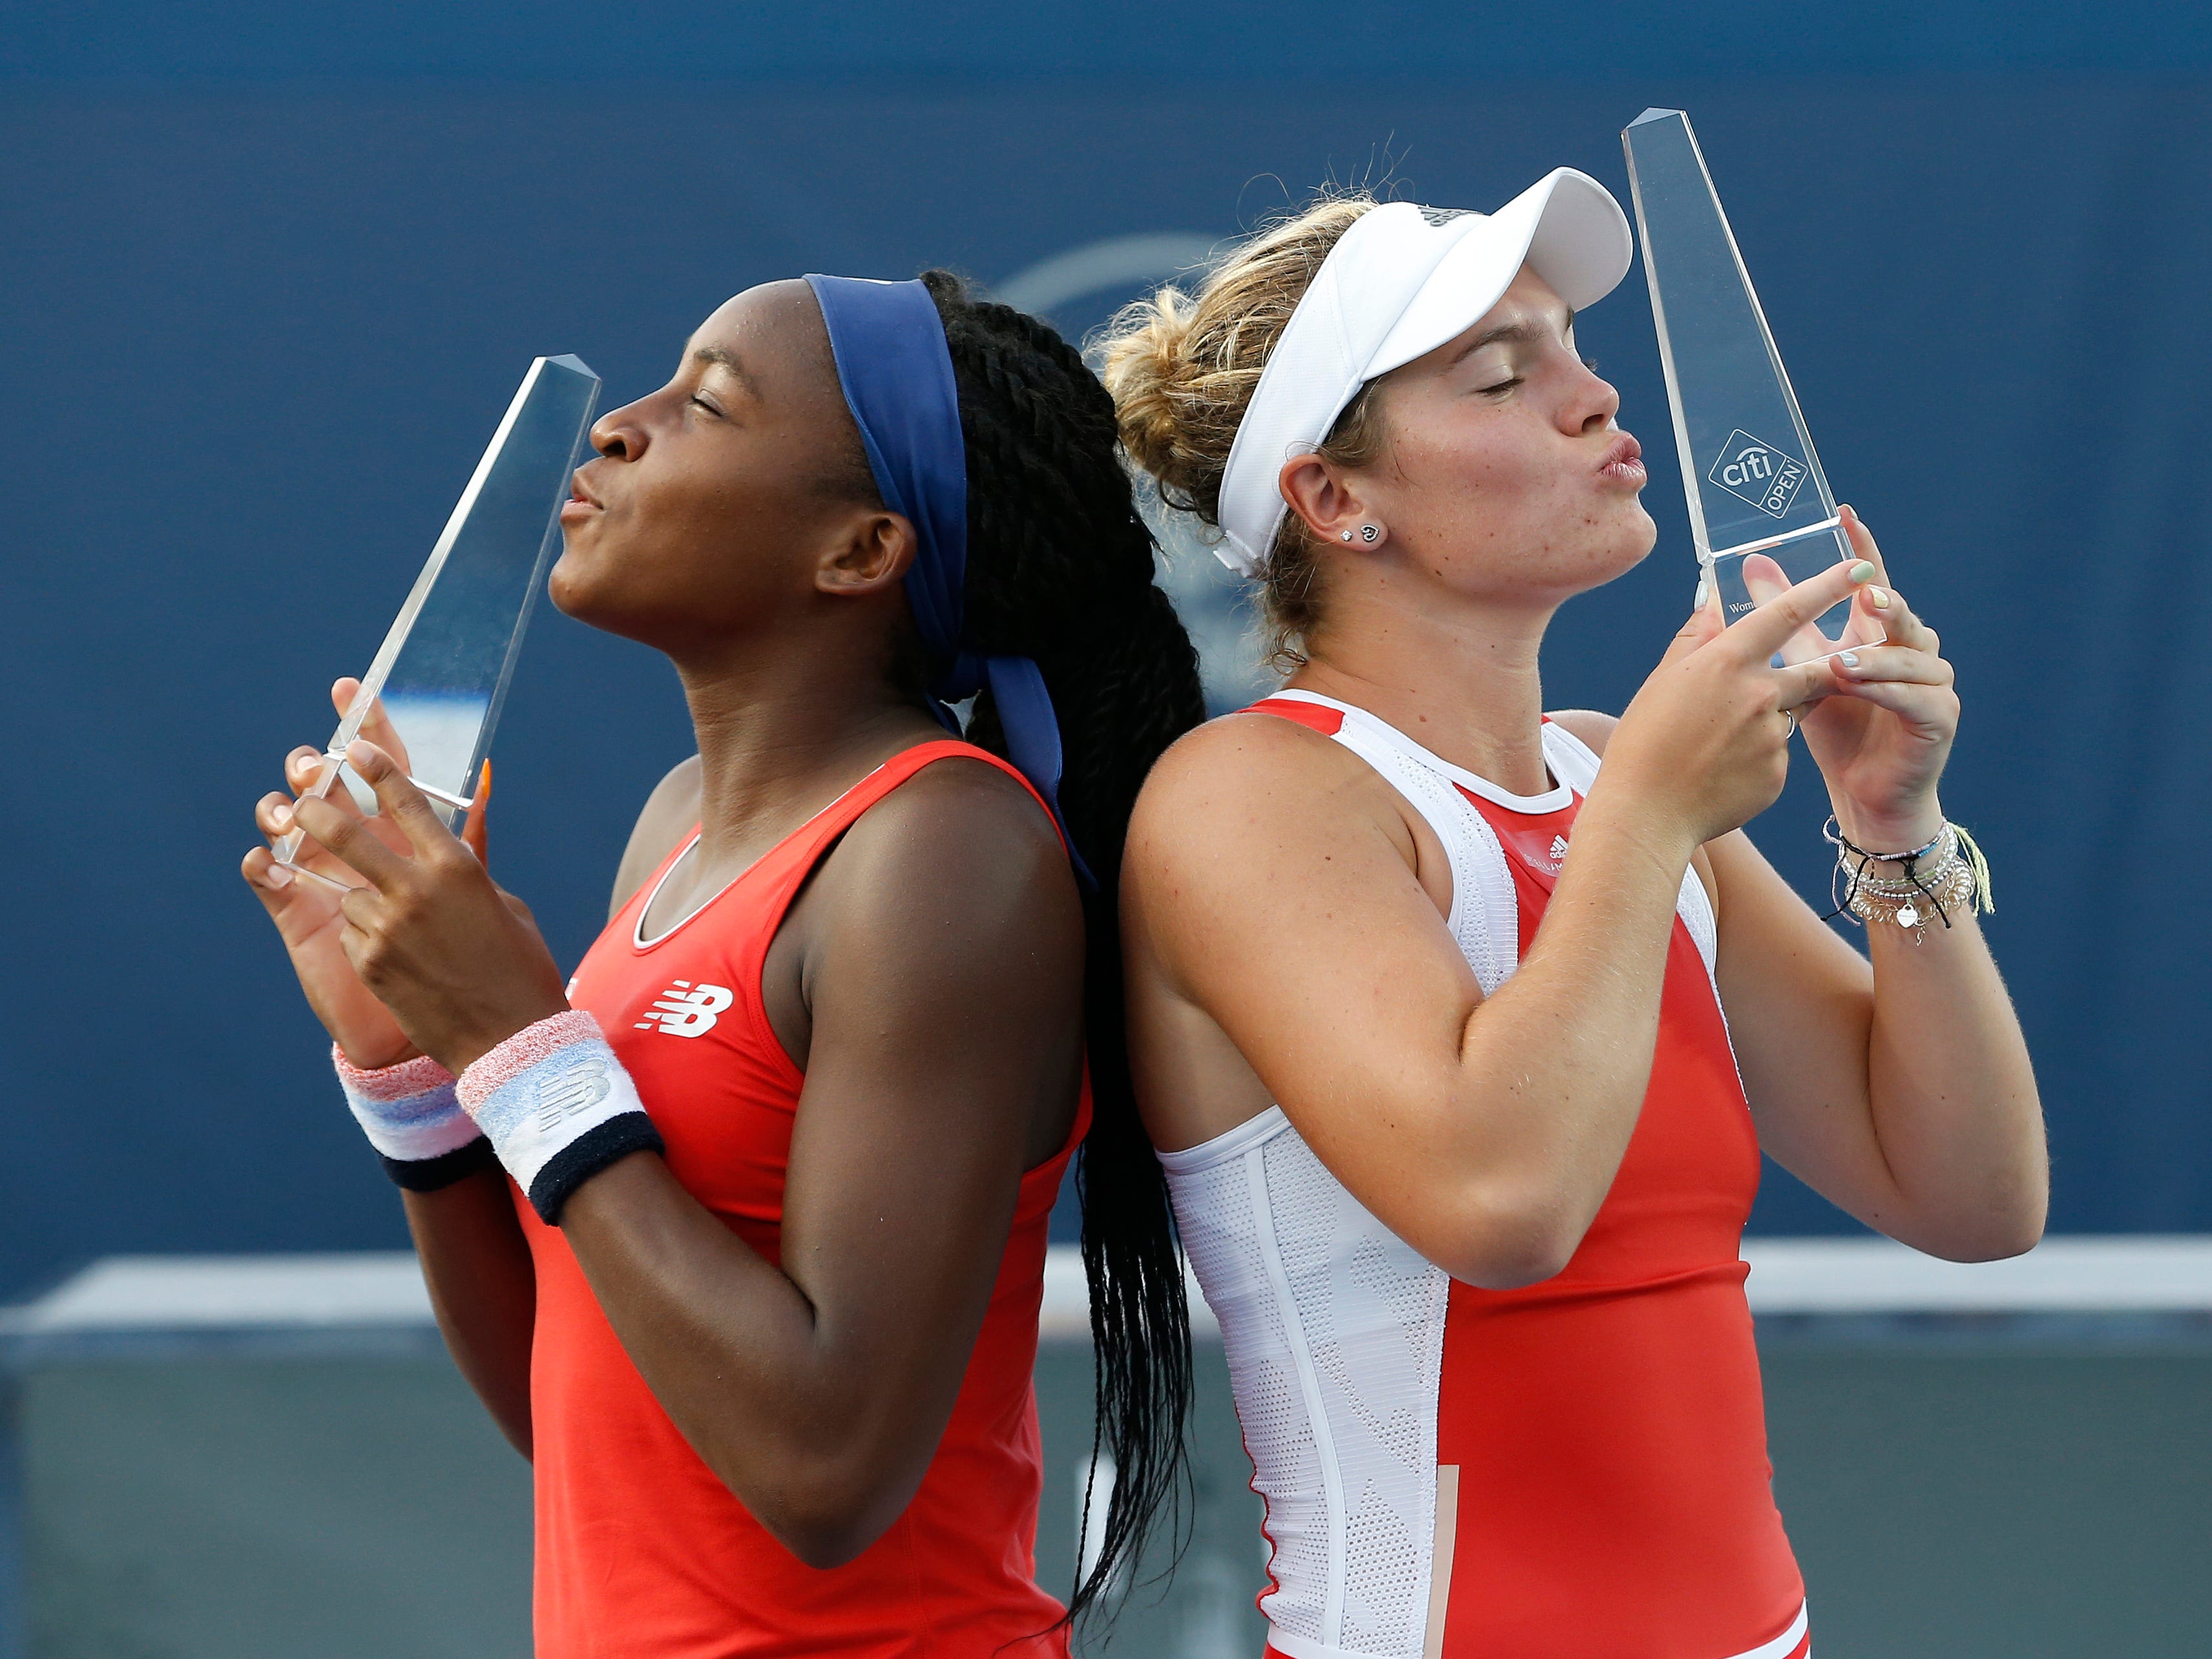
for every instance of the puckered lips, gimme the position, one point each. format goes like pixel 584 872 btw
pixel 1623 462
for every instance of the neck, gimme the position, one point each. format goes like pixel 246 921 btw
pixel 784 725
pixel 1458 676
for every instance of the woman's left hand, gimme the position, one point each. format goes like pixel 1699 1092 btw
pixel 457 961
pixel 1881 739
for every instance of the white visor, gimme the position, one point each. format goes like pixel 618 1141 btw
pixel 1398 284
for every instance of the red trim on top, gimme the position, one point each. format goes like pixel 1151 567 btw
pixel 1312 715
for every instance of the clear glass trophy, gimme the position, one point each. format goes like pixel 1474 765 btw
pixel 1760 510
pixel 443 669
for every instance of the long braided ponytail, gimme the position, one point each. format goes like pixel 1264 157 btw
pixel 1060 570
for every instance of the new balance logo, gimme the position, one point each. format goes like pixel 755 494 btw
pixel 686 1010
pixel 577 1089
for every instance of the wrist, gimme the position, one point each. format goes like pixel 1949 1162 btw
pixel 465 1049
pixel 411 1115
pixel 557 1106
pixel 366 1060
pixel 1899 828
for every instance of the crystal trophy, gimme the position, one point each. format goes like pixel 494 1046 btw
pixel 1760 511
pixel 443 669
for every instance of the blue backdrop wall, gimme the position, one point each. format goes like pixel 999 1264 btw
pixel 269 281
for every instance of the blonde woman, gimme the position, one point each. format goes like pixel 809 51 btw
pixel 1426 987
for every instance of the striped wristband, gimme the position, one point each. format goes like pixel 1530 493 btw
pixel 414 1120
pixel 557 1106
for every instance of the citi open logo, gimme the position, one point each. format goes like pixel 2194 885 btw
pixel 1758 472
pixel 686 1010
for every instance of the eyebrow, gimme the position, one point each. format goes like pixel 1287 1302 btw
pixel 1515 333
pixel 724 357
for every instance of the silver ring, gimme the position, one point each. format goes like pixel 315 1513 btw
pixel 1790 714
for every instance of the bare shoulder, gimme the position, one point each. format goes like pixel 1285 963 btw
pixel 1242 774
pixel 670 811
pixel 960 850
pixel 952 804
pixel 1592 727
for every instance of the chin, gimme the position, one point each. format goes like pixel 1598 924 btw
pixel 566 586
pixel 1615 548
pixel 576 594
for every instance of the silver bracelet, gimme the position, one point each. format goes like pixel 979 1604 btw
pixel 1955 873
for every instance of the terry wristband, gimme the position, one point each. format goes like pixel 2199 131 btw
pixel 557 1106
pixel 413 1118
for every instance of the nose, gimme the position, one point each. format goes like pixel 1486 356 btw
pixel 1590 404
pixel 619 434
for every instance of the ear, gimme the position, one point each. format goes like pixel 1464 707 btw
pixel 1327 503
pixel 870 553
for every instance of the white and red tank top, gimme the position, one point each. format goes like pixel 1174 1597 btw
pixel 1575 1469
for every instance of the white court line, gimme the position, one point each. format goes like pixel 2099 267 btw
pixel 2145 1273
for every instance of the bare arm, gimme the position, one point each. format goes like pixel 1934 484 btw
pixel 1484 1134
pixel 1900 1088
pixel 476 1263
pixel 484 1290
pixel 937 962
pixel 944 1029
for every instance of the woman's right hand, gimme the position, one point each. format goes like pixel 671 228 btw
pixel 1705 747
pixel 306 912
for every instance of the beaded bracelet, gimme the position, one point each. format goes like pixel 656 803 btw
pixel 1956 874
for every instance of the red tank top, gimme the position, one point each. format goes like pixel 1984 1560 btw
pixel 1606 1425
pixel 642 1552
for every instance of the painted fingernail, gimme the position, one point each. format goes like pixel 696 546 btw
pixel 1878 598
pixel 1862 572
pixel 1849 658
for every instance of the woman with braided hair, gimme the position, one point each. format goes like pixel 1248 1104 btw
pixel 1426 1002
pixel 740 1237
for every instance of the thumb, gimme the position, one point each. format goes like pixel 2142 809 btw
pixel 475 832
pixel 1705 623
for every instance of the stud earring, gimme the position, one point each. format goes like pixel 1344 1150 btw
pixel 1347 535
pixel 1370 533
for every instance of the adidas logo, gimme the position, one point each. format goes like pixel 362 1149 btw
pixel 580 1087
pixel 686 1010
pixel 1559 852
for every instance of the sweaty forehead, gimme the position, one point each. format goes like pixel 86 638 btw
pixel 772 340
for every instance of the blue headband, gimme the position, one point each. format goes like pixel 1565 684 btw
pixel 897 373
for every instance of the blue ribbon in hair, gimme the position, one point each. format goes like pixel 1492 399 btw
pixel 897 373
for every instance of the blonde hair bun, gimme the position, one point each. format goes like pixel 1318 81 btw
pixel 1183 369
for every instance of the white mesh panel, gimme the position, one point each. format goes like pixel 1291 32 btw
pixel 1213 1211
pixel 1371 1312
pixel 1386 1588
